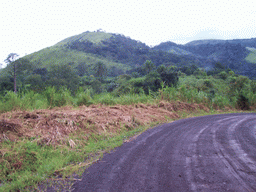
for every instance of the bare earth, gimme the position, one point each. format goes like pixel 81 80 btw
pixel 210 153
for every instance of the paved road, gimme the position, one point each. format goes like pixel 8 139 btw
pixel 210 153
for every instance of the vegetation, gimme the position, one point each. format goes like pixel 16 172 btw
pixel 100 69
pixel 27 163
pixel 62 86
pixel 252 56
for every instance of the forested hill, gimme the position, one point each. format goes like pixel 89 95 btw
pixel 244 42
pixel 127 51
pixel 121 54
pixel 238 54
pixel 116 51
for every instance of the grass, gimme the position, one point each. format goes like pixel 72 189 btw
pixel 59 55
pixel 189 90
pixel 25 164
pixel 95 37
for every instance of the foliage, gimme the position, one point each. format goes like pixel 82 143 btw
pixel 100 70
pixel 148 66
pixel 97 86
pixel 223 75
pixel 243 102
pixel 58 98
pixel 251 57
pixel 169 78
pixel 152 82
pixel 63 75
pixel 83 97
pixel 17 67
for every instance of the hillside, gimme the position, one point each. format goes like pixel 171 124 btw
pixel 86 36
pixel 237 54
pixel 251 57
pixel 122 54
pixel 244 42
pixel 61 54
pixel 117 52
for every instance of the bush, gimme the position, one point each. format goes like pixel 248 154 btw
pixel 10 102
pixel 208 83
pixel 220 101
pixel 243 102
pixel 223 75
pixel 57 99
pixel 83 97
pixel 106 99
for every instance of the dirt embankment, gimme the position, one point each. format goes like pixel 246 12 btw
pixel 52 126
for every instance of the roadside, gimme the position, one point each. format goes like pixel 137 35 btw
pixel 54 147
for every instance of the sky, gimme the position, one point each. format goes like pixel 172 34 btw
pixel 27 26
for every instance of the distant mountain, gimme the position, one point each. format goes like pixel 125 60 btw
pixel 237 54
pixel 244 42
pixel 206 41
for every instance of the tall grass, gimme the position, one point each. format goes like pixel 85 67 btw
pixel 58 98
pixel 22 101
pixel 83 97
pixel 52 97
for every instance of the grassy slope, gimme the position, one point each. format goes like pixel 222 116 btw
pixel 251 58
pixel 58 54
pixel 95 37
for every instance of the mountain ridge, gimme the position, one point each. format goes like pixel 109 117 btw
pixel 124 53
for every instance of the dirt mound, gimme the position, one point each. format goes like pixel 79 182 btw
pixel 52 126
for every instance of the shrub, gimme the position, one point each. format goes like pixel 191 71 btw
pixel 243 102
pixel 208 83
pixel 58 99
pixel 223 75
pixel 83 97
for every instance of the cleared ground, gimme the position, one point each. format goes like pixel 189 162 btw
pixel 210 153
pixel 51 126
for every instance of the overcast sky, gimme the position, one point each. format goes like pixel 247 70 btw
pixel 30 25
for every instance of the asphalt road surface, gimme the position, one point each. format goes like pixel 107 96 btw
pixel 210 153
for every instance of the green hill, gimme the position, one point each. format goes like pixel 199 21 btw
pixel 62 54
pixel 55 55
pixel 115 51
pixel 94 37
pixel 122 54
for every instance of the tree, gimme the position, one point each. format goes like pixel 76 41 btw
pixel 170 78
pixel 100 70
pixel 161 69
pixel 148 66
pixel 63 75
pixel 152 82
pixel 81 69
pixel 219 66
pixel 10 60
pixel 223 75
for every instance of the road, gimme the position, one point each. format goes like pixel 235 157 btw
pixel 209 153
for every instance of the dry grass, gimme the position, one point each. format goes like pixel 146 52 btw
pixel 55 125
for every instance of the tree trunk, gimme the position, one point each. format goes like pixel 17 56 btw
pixel 14 75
